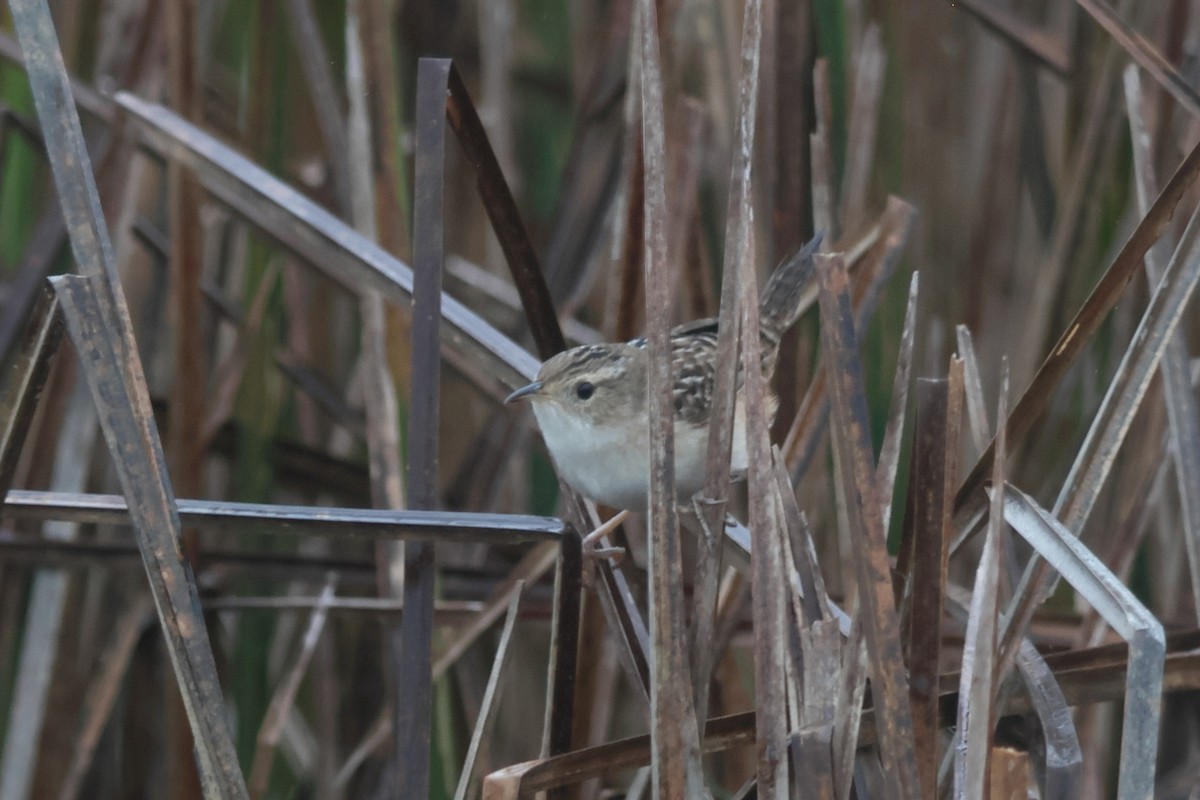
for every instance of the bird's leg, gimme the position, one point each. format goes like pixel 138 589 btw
pixel 700 504
pixel 590 550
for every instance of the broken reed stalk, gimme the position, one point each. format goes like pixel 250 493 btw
pixel 977 683
pixel 411 643
pixel 856 475
pixel 98 320
pixel 738 262
pixel 676 765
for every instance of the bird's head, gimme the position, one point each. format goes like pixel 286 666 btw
pixel 594 383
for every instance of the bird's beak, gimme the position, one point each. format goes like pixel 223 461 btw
pixel 525 392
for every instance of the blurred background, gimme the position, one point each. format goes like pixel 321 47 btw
pixel 1002 123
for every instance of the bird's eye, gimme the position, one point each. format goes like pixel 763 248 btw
pixel 584 390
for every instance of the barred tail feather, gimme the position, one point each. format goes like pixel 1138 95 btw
pixel 780 303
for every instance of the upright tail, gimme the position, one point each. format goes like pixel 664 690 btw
pixel 780 303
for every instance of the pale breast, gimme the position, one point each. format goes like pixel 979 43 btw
pixel 610 463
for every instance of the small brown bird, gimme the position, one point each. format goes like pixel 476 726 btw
pixel 590 401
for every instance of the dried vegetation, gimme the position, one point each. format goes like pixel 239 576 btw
pixel 266 271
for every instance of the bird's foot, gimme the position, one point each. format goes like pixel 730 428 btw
pixel 595 544
pixel 700 506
